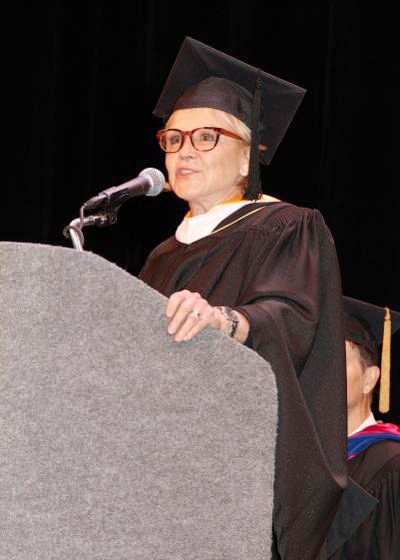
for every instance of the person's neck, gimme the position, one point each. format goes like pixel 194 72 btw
pixel 357 416
pixel 203 206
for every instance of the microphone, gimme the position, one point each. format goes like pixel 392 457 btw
pixel 149 182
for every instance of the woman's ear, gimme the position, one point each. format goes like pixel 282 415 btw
pixel 244 164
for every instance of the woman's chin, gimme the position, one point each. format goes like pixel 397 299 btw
pixel 186 190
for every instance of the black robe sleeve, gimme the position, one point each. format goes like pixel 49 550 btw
pixel 279 268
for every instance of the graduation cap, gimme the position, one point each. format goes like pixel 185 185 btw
pixel 371 326
pixel 205 77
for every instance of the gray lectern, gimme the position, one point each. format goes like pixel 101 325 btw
pixel 116 443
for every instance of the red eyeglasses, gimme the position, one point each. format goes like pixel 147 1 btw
pixel 203 139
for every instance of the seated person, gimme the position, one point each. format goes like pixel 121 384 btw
pixel 373 446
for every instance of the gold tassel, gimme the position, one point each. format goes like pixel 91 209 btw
pixel 384 392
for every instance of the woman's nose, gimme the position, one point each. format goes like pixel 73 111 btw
pixel 187 149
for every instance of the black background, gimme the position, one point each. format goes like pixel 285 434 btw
pixel 81 80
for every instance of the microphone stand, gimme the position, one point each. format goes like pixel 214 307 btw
pixel 106 217
pixel 110 202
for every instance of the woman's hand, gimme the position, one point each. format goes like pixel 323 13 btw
pixel 190 314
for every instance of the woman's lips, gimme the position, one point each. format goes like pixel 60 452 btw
pixel 185 172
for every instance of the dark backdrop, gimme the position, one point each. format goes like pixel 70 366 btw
pixel 81 80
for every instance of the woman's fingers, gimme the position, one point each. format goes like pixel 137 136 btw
pixel 189 314
pixel 179 307
pixel 176 299
pixel 193 324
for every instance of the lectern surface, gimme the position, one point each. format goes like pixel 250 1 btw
pixel 115 441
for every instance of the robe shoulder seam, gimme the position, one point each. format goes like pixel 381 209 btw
pixel 280 218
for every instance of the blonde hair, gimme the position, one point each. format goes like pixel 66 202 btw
pixel 241 129
pixel 235 125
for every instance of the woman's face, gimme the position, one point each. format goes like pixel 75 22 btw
pixel 206 179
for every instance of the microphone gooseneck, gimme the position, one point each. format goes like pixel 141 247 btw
pixel 149 182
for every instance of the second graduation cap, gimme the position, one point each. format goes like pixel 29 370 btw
pixel 205 77
pixel 371 326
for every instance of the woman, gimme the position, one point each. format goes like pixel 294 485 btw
pixel 262 271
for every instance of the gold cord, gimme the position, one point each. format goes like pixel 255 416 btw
pixel 384 391
pixel 235 221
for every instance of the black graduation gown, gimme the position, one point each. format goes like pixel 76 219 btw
pixel 279 268
pixel 377 470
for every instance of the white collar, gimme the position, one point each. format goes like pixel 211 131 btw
pixel 370 421
pixel 194 228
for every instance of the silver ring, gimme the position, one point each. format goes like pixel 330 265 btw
pixel 197 314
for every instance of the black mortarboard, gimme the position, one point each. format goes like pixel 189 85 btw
pixel 371 326
pixel 204 77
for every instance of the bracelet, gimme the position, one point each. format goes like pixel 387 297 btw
pixel 229 314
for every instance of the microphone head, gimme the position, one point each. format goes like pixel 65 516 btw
pixel 156 180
